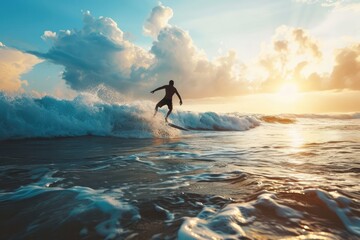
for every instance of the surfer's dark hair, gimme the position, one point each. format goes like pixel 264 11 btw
pixel 171 82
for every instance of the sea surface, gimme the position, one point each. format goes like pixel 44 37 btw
pixel 88 169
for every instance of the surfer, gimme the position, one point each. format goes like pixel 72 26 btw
pixel 170 90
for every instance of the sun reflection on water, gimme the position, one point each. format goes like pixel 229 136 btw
pixel 296 139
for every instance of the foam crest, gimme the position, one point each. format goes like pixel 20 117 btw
pixel 215 121
pixel 228 223
pixel 210 224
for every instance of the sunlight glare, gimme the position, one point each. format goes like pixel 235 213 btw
pixel 288 89
pixel 288 92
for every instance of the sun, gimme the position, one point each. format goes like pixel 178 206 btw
pixel 288 89
pixel 288 92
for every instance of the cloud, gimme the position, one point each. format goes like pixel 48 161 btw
pixel 177 57
pixel 291 53
pixel 294 56
pixel 13 64
pixel 158 19
pixel 49 35
pixel 99 54
pixel 346 72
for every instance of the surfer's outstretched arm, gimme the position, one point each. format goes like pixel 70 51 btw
pixel 177 93
pixel 159 88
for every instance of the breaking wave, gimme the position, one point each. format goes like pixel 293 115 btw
pixel 27 117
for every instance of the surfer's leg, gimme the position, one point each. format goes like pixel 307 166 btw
pixel 168 113
pixel 159 104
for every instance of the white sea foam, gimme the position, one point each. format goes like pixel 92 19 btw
pixel 228 223
pixel 87 114
pixel 214 121
pixel 209 224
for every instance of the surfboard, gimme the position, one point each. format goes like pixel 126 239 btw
pixel 178 127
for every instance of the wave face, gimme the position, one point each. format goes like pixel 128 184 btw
pixel 27 117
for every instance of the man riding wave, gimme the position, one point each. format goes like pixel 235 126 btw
pixel 170 90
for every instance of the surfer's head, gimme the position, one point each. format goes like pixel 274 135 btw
pixel 171 82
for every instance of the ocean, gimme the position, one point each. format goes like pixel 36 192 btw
pixel 90 169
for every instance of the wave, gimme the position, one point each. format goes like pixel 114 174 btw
pixel 215 122
pixel 27 117
pixel 277 119
pixel 339 116
pixel 292 118
pixel 235 219
pixel 112 213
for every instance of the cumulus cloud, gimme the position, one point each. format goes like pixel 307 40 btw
pixel 158 19
pixel 346 72
pixel 99 54
pixel 177 57
pixel 13 64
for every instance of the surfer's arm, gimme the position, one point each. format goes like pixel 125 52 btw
pixel 177 93
pixel 159 88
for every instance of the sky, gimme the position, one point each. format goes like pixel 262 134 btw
pixel 286 56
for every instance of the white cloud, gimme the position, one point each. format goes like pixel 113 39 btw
pixel 158 19
pixel 98 54
pixel 177 57
pixel 49 35
pixel 13 64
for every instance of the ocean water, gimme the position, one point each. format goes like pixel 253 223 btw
pixel 90 169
